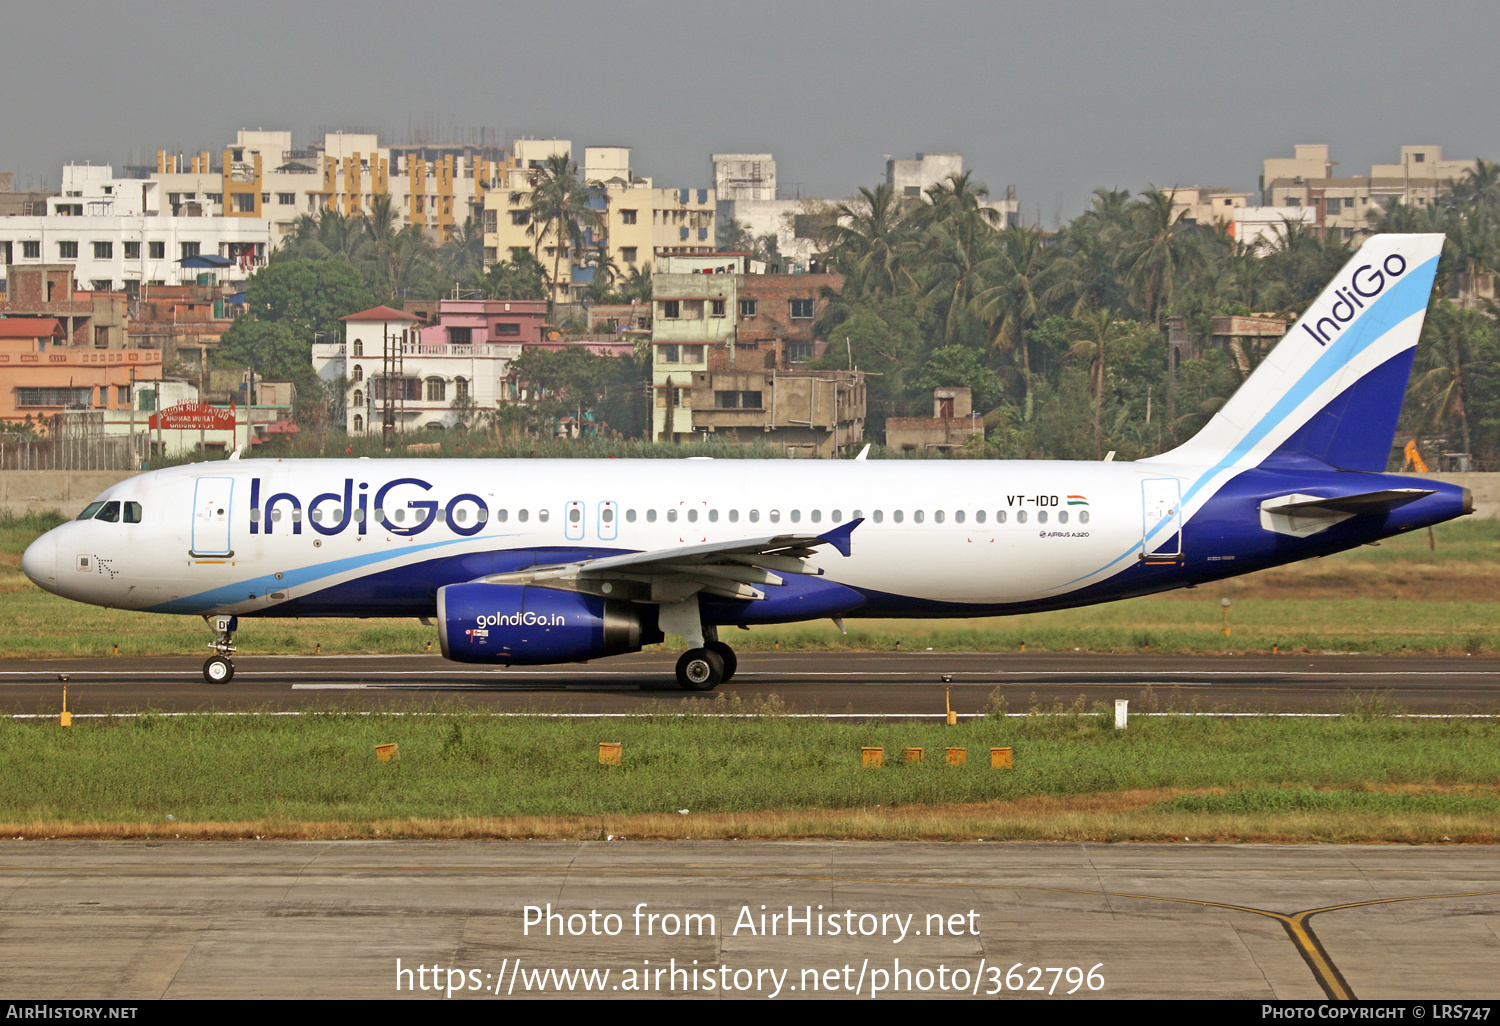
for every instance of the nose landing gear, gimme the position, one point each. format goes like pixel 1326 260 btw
pixel 219 668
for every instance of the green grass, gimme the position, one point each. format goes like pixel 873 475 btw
pixel 323 767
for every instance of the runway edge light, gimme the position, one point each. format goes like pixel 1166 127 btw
pixel 66 719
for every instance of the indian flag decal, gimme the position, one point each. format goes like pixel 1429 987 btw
pixel 1077 500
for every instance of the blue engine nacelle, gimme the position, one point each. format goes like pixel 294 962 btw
pixel 520 625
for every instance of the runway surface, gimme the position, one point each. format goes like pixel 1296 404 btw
pixel 317 919
pixel 839 683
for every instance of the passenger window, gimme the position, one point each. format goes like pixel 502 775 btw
pixel 1083 516
pixel 979 516
pixel 879 516
pixel 896 515
pixel 856 515
pixel 1041 516
pixel 607 515
pixel 630 516
pixel 1000 516
pixel 276 516
pixel 460 515
pixel 502 515
pixel 254 517
pixel 671 516
pixel 110 514
pixel 836 516
pixel 482 514
pixel 938 516
pixel 400 516
pixel 359 515
pixel 522 515
pixel 133 512
pixel 734 516
pixel 90 510
pixel 958 516
pixel 755 516
pixel 817 515
pixel 296 515
pixel 919 516
pixel 796 516
pixel 542 515
pixel 692 516
pixel 1020 516
pixel 1062 516
pixel 575 515
pixel 713 516
pixel 775 516
pixel 650 516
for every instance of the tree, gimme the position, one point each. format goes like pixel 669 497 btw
pixel 275 351
pixel 308 295
pixel 962 367
pixel 1158 246
pixel 866 240
pixel 560 206
pixel 1098 336
pixel 521 277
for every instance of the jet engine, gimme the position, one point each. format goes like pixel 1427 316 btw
pixel 524 625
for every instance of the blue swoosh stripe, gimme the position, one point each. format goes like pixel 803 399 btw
pixel 233 594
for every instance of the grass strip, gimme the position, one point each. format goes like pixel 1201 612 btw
pixel 1370 777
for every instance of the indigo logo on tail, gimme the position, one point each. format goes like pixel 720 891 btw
pixel 1348 304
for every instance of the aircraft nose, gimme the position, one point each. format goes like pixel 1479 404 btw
pixel 40 562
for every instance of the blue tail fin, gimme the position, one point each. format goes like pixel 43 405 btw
pixel 1331 390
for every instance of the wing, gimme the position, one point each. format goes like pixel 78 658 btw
pixel 732 569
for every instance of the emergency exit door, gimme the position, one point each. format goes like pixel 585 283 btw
pixel 212 511
pixel 1161 527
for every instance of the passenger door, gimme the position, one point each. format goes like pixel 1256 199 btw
pixel 1161 527
pixel 212 511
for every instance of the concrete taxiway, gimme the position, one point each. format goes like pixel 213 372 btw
pixel 860 683
pixel 331 919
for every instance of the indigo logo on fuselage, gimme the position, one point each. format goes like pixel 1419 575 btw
pixel 1366 282
pixel 394 511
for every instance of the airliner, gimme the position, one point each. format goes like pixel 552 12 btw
pixel 526 562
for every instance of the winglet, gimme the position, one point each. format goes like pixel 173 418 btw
pixel 839 536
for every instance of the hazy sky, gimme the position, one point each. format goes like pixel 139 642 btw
pixel 1054 97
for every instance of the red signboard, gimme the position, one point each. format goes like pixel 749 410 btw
pixel 193 416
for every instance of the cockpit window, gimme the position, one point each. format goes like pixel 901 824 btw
pixel 110 513
pixel 132 512
pixel 90 510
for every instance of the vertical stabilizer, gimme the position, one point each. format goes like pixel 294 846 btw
pixel 1330 392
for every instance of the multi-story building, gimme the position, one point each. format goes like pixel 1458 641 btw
pixel 89 318
pixel 42 375
pixel 1210 204
pixel 727 347
pixel 428 377
pixel 260 175
pixel 952 425
pixel 117 237
pixel 638 221
pixel 1344 204
pixel 912 178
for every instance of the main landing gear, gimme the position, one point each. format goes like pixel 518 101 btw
pixel 219 668
pixel 703 669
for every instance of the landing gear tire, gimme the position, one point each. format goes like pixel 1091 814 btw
pixel 727 656
pixel 218 670
pixel 700 669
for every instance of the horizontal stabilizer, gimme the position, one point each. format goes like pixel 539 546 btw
pixel 1302 515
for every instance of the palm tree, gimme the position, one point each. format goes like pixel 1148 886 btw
pixel 560 205
pixel 1159 245
pixel 867 240
pixel 1014 270
pixel 1098 335
pixel 1454 346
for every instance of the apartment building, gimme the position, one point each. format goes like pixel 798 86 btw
pixel 41 375
pixel 1206 204
pixel 638 221
pixel 1419 177
pixel 116 235
pixel 430 377
pixel 912 178
pixel 728 354
pixel 98 320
